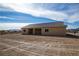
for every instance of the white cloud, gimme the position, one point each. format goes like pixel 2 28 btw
pixel 40 12
pixel 28 8
pixel 54 15
pixel 6 26
pixel 73 18
pixel 6 17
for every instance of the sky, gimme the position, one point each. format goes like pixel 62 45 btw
pixel 21 14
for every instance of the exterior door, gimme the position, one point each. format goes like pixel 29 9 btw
pixel 38 31
pixel 30 31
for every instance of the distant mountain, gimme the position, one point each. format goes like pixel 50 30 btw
pixel 14 30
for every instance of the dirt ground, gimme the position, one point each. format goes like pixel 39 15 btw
pixel 35 45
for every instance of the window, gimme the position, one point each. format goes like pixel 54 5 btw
pixel 46 30
pixel 24 30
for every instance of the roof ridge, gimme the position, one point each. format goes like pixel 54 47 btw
pixel 49 24
pixel 45 23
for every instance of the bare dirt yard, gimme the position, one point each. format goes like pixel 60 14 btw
pixel 35 45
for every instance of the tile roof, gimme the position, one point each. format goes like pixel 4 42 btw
pixel 50 24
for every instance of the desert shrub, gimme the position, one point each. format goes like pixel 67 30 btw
pixel 2 32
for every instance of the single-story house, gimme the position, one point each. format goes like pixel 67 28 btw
pixel 51 28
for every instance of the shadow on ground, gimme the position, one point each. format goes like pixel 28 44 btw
pixel 67 36
pixel 71 36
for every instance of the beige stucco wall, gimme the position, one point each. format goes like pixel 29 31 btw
pixel 54 31
pixel 26 32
